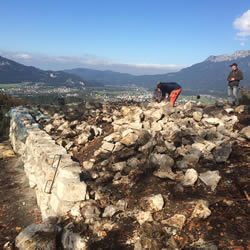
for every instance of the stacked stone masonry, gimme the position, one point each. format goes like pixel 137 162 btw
pixel 37 150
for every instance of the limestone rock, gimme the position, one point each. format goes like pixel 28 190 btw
pixel 188 106
pixel 212 121
pixel 48 128
pixel 164 173
pixel 143 137
pixel 190 177
pixel 178 221
pixel 156 202
pixel 135 125
pixel 70 190
pixel 119 166
pixel 109 211
pixel 201 210
pixel 191 159
pixel 246 132
pixel 142 217
pixel 157 114
pixel 114 137
pixel 147 147
pixel 67 132
pixel 229 110
pixel 118 147
pixel 37 236
pixel 197 116
pixel 240 109
pixel 71 240
pixel 210 178
pixel 108 146
pixel 88 165
pixel 170 146
pixel 82 138
pixel 156 126
pixel 64 126
pixel 162 160
pixel 222 152
pixel 90 211
pixel 129 140
pixel 201 244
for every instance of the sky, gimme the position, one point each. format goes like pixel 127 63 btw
pixel 134 36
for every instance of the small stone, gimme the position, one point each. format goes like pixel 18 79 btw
pixel 197 116
pixel 201 210
pixel 119 166
pixel 48 128
pixel 71 240
pixel 135 125
pixel 190 177
pixel 118 147
pixel 37 235
pixel 188 106
pixel 82 138
pixel 162 160
pixel 222 152
pixel 130 139
pixel 201 244
pixel 240 109
pixel 88 165
pixel 178 221
pixel 229 110
pixel 157 114
pixel 156 202
pixel 142 217
pixel 114 137
pixel 210 178
pixel 164 173
pixel 133 162
pixel 156 126
pixel 90 211
pixel 69 145
pixel 109 211
pixel 191 159
pixel 246 132
pixel 212 121
pixel 170 146
pixel 108 146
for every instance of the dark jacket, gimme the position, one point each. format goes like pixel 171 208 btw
pixel 167 87
pixel 237 75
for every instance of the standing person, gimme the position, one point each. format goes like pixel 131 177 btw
pixel 167 89
pixel 234 78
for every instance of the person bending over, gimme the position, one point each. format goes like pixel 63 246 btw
pixel 165 90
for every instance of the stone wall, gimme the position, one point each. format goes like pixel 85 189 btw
pixel 37 150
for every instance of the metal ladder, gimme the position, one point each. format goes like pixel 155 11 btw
pixel 55 164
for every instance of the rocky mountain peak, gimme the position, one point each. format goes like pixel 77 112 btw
pixel 229 57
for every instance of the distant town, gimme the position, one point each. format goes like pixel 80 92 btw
pixel 43 94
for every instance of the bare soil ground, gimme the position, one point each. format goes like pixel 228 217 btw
pixel 18 206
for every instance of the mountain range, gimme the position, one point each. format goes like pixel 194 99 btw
pixel 210 74
pixel 13 72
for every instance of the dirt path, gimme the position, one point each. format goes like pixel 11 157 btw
pixel 18 206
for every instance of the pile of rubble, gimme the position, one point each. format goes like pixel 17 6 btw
pixel 153 173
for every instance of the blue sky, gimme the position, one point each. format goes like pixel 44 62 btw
pixel 132 32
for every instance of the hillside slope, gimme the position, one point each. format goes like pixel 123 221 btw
pixel 13 72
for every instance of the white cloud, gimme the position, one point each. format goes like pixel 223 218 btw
pixel 242 25
pixel 23 56
pixel 88 61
